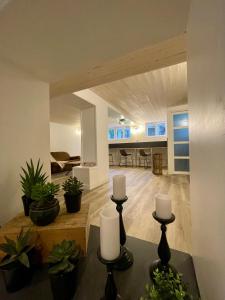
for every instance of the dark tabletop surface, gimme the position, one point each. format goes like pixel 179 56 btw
pixel 92 276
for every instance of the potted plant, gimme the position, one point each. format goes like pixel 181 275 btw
pixel 73 192
pixel 31 176
pixel 63 265
pixel 16 264
pixel 45 207
pixel 167 286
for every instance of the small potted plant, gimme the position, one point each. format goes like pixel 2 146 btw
pixel 16 264
pixel 63 265
pixel 31 176
pixel 167 286
pixel 73 192
pixel 45 207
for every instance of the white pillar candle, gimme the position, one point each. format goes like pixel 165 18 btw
pixel 119 187
pixel 109 234
pixel 163 206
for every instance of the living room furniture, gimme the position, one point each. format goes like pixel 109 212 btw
pixel 111 161
pixel 63 162
pixel 144 157
pixel 125 157
pixel 65 226
pixel 157 164
pixel 91 278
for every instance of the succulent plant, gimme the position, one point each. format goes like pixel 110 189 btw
pixel 72 186
pixel 16 250
pixel 32 176
pixel 43 193
pixel 167 286
pixel 63 257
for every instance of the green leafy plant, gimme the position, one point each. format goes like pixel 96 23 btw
pixel 32 176
pixel 63 257
pixel 73 186
pixel 16 250
pixel 167 286
pixel 43 193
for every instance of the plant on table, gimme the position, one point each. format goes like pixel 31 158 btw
pixel 63 261
pixel 45 207
pixel 31 176
pixel 73 189
pixel 167 286
pixel 15 266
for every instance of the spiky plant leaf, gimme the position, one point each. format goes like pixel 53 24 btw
pixel 18 249
pixel 31 176
pixel 24 260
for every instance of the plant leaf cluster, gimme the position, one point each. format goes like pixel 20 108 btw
pixel 16 250
pixel 31 176
pixel 167 286
pixel 73 186
pixel 63 257
pixel 43 193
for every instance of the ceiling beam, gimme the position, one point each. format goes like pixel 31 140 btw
pixel 161 55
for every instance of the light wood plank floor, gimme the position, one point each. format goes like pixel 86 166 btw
pixel 142 185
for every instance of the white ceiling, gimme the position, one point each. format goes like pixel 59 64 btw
pixel 53 39
pixel 145 97
pixel 66 109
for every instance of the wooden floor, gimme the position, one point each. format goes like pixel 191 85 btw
pixel 142 185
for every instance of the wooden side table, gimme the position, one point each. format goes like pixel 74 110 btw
pixel 66 226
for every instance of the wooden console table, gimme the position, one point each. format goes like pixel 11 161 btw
pixel 66 226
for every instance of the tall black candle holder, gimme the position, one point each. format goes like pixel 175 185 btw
pixel 111 292
pixel 127 258
pixel 163 249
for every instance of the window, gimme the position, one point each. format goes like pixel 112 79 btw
pixel 119 133
pixel 156 129
pixel 111 134
pixel 127 133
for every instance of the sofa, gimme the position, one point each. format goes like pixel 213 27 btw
pixel 63 162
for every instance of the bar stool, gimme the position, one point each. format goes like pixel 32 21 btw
pixel 124 156
pixel 143 156
pixel 111 160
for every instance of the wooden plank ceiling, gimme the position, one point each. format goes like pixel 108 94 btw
pixel 145 97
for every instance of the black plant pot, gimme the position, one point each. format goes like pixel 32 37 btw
pixel 73 202
pixel 42 216
pixel 26 204
pixel 64 286
pixel 16 276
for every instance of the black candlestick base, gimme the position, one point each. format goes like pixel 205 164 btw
pixel 163 249
pixel 126 260
pixel 110 287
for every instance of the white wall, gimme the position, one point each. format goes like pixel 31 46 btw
pixel 206 89
pixel 24 132
pixel 101 111
pixel 88 137
pixel 65 138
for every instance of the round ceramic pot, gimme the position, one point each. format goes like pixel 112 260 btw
pixel 26 204
pixel 42 216
pixel 73 202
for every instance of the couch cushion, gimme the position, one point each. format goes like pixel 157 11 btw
pixel 61 156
